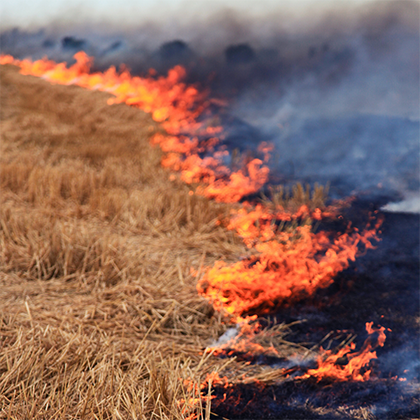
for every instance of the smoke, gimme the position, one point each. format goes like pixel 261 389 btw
pixel 334 85
pixel 348 112
pixel 175 14
pixel 410 204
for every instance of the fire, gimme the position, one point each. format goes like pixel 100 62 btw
pixel 245 342
pixel 285 264
pixel 287 259
pixel 356 367
pixel 190 139
pixel 201 393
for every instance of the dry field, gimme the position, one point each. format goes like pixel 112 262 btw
pixel 100 318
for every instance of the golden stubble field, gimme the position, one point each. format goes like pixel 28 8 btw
pixel 100 318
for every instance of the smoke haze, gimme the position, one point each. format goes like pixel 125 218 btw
pixel 133 13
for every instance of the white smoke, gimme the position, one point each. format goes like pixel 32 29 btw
pixel 227 337
pixel 410 204
pixel 174 13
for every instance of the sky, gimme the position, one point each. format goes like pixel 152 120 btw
pixel 37 13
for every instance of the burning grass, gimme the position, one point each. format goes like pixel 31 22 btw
pixel 101 317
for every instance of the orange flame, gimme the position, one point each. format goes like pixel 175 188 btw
pixel 284 266
pixel 177 107
pixel 243 342
pixel 329 366
pixel 201 393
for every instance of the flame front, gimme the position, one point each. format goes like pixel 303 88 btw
pixel 188 143
pixel 285 264
pixel 355 362
pixel 287 260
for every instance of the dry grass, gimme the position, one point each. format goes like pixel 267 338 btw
pixel 292 200
pixel 99 315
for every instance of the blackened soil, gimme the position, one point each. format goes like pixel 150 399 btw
pixel 386 399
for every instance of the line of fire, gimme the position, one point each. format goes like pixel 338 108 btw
pixel 317 306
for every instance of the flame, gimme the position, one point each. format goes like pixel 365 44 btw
pixel 286 261
pixel 284 266
pixel 201 393
pixel 357 362
pixel 190 138
pixel 244 343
